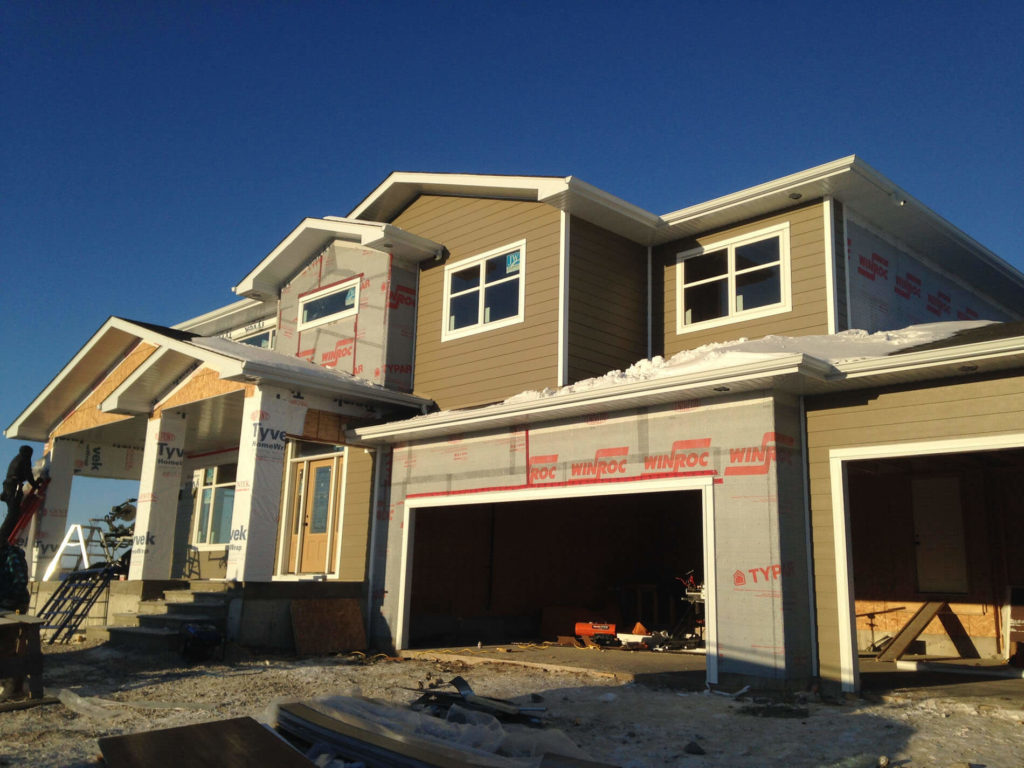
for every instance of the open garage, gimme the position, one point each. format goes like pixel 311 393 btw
pixel 945 531
pixel 529 570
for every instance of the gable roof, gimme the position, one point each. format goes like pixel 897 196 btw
pixel 178 354
pixel 311 236
pixel 849 179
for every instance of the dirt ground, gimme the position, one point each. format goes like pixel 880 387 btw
pixel 108 691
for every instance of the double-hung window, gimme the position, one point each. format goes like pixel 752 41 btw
pixel 736 279
pixel 215 502
pixel 329 304
pixel 485 291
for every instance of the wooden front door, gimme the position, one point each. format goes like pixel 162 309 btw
pixel 315 502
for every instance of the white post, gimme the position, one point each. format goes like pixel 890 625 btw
pixel 157 508
pixel 267 417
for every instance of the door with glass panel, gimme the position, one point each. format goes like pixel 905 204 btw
pixel 314 504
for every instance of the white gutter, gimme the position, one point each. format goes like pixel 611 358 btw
pixel 925 358
pixel 563 405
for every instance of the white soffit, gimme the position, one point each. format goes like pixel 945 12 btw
pixel 147 384
pixel 234 315
pixel 565 193
pixel 101 353
pixel 313 235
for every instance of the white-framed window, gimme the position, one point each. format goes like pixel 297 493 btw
pixel 328 304
pixel 739 278
pixel 485 291
pixel 262 339
pixel 215 502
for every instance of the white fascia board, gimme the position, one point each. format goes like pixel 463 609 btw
pixel 14 431
pixel 221 316
pixel 312 235
pixel 322 381
pixel 743 196
pixel 580 191
pixel 551 408
pixel 401 187
pixel 915 361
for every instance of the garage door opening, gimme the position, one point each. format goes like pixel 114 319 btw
pixel 943 535
pixel 529 570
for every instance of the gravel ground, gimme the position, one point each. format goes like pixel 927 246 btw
pixel 113 692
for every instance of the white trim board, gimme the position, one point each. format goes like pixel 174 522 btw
pixel 703 484
pixel 838 457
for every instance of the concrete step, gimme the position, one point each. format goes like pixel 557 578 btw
pixel 176 620
pixel 212 609
pixel 144 638
pixel 188 596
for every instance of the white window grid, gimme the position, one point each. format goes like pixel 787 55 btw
pixel 482 325
pixel 734 315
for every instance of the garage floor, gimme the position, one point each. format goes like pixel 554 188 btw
pixel 984 685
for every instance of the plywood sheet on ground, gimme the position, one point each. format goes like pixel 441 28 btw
pixel 327 626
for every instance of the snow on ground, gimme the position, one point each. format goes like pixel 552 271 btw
pixel 629 725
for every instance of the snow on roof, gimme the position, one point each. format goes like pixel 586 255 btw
pixel 830 348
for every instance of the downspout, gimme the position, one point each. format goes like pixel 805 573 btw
pixel 812 604
pixel 374 501
pixel 650 303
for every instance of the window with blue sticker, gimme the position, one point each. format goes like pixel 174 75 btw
pixel 484 291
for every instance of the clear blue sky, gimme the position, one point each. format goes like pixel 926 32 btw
pixel 152 153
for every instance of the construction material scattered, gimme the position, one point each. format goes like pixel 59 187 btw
pixel 221 744
pixel 438 703
pixel 380 735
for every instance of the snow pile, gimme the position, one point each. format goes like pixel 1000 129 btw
pixel 832 348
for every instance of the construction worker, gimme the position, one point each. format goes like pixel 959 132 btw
pixel 13 578
pixel 19 472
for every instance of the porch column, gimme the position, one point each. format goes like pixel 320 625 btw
pixel 47 528
pixel 157 507
pixel 267 417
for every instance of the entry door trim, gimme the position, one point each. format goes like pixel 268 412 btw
pixel 703 484
pixel 838 459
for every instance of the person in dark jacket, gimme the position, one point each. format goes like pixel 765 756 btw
pixel 19 472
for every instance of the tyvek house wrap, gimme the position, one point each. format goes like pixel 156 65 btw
pixel 363 343
pixel 750 448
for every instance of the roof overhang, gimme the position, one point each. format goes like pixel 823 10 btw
pixel 235 315
pixel 176 357
pixel 567 193
pixel 864 191
pixel 313 235
pixel 792 374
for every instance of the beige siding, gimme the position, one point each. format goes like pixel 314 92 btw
pixel 607 301
pixel 976 408
pixel 809 311
pixel 355 524
pixel 495 364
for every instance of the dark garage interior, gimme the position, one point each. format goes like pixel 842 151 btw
pixel 528 571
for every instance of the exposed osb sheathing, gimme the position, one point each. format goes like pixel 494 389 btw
pixel 88 414
pixel 202 385
pixel 324 427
